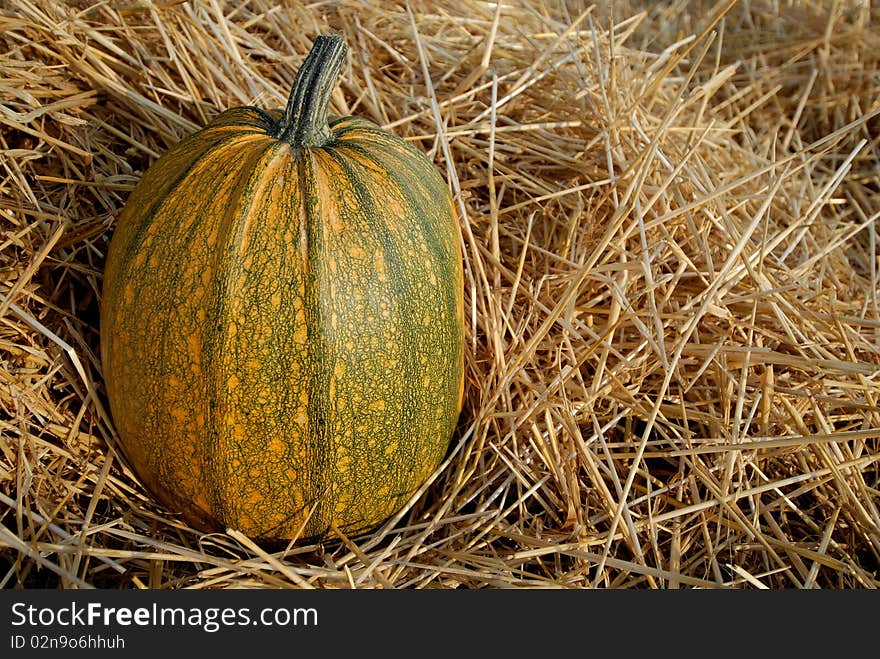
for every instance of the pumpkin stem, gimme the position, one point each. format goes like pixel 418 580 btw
pixel 304 122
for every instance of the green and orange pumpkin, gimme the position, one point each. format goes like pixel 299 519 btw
pixel 281 319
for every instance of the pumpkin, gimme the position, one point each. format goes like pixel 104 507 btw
pixel 282 319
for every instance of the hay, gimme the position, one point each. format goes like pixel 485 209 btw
pixel 669 220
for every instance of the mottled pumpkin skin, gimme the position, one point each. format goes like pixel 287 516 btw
pixel 281 329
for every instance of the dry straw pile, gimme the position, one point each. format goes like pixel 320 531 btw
pixel 669 215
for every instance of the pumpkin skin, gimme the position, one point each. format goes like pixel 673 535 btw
pixel 282 326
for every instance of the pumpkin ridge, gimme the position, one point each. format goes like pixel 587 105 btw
pixel 395 149
pixel 369 206
pixel 383 196
pixel 260 121
pixel 226 294
pixel 317 407
pixel 372 202
pixel 193 163
pixel 142 378
pixel 403 182
pixel 169 336
pixel 444 246
pixel 354 131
